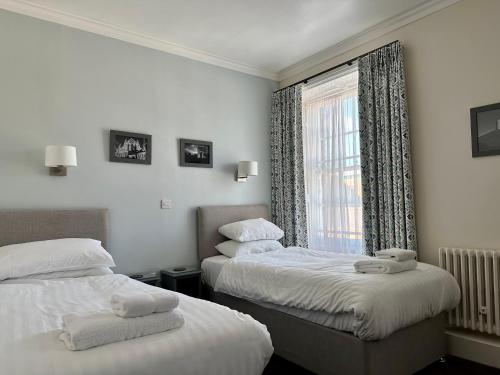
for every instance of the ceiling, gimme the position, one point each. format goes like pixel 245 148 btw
pixel 261 37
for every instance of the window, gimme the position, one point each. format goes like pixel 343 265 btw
pixel 332 163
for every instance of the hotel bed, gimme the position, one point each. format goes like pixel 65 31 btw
pixel 212 267
pixel 317 340
pixel 213 339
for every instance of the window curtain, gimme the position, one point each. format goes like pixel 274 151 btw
pixel 332 163
pixel 288 205
pixel 388 207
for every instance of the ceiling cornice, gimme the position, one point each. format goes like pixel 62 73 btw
pixel 365 36
pixel 97 27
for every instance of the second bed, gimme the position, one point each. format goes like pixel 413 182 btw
pixel 325 339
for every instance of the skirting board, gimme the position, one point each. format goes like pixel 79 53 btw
pixel 478 347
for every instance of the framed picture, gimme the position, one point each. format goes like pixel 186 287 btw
pixel 126 147
pixel 196 153
pixel 485 130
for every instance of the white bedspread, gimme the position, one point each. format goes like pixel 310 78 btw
pixel 326 281
pixel 214 339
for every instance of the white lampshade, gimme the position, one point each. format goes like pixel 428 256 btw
pixel 60 156
pixel 248 168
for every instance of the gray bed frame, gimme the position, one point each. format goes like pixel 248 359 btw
pixel 315 347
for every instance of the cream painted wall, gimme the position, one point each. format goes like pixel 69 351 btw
pixel 452 64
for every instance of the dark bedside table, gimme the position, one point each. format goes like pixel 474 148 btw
pixel 150 278
pixel 187 281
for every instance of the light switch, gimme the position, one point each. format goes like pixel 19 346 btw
pixel 166 204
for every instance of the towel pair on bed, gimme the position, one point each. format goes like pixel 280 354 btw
pixel 134 315
pixel 388 261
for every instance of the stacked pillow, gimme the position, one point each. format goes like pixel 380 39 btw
pixel 67 257
pixel 249 236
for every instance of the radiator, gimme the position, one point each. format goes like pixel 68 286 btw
pixel 477 273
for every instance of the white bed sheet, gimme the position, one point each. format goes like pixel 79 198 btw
pixel 214 339
pixel 326 281
pixel 212 266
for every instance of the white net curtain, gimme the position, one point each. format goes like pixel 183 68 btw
pixel 332 162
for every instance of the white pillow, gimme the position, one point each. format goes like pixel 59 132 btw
pixel 233 248
pixel 251 230
pixel 95 271
pixel 65 254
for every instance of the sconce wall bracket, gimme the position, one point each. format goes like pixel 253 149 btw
pixel 240 178
pixel 58 171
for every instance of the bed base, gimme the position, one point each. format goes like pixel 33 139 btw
pixel 324 350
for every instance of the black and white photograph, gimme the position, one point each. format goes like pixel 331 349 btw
pixel 485 130
pixel 196 153
pixel 126 147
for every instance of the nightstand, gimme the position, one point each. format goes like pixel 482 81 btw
pixel 150 278
pixel 186 281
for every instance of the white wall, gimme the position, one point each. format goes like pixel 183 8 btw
pixel 63 86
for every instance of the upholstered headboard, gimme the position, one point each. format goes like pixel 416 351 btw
pixel 210 218
pixel 19 226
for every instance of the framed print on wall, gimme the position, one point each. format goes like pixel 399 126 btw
pixel 195 153
pixel 126 147
pixel 485 130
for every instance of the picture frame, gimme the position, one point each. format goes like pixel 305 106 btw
pixel 195 153
pixel 127 147
pixel 485 130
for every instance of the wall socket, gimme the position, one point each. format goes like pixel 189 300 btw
pixel 166 204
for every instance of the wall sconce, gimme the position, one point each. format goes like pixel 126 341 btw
pixel 245 169
pixel 57 158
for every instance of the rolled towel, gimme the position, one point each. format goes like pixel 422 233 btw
pixel 396 254
pixel 132 305
pixel 384 266
pixel 84 331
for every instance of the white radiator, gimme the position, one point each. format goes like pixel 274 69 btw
pixel 477 273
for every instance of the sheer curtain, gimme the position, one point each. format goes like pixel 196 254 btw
pixel 332 163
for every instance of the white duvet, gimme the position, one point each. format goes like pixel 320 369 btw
pixel 325 281
pixel 214 339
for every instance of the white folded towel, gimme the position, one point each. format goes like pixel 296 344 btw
pixel 396 254
pixel 83 331
pixel 384 266
pixel 132 305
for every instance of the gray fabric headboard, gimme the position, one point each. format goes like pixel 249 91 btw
pixel 19 226
pixel 210 218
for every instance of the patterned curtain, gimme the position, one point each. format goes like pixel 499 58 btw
pixel 288 203
pixel 388 208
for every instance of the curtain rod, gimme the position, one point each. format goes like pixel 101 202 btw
pixel 348 62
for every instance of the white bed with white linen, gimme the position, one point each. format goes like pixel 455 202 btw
pixel 42 283
pixel 323 308
pixel 212 267
pixel 371 306
pixel 369 297
pixel 213 339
